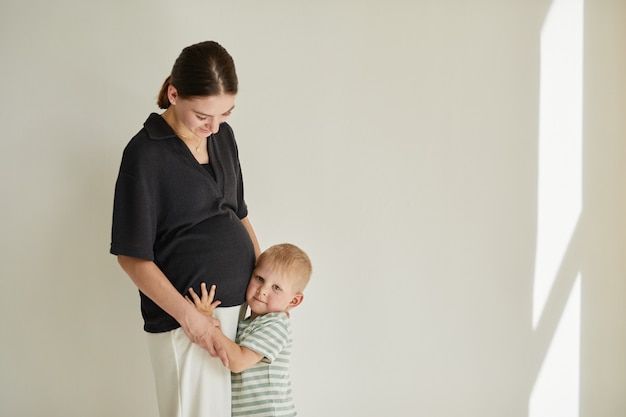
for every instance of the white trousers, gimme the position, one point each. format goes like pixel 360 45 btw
pixel 189 382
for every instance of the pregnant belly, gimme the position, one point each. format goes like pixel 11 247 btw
pixel 217 251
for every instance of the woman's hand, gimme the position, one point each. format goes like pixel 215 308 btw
pixel 202 331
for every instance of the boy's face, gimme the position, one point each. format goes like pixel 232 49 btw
pixel 270 292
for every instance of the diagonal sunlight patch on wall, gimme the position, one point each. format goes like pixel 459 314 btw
pixel 560 143
pixel 556 389
pixel 559 203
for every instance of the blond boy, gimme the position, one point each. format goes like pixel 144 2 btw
pixel 259 357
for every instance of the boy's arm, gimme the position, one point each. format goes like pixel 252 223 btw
pixel 239 358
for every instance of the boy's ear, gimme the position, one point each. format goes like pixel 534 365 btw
pixel 295 301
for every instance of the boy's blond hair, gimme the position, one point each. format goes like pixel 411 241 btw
pixel 289 260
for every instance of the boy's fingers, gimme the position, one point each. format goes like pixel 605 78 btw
pixel 212 293
pixel 194 296
pixel 204 291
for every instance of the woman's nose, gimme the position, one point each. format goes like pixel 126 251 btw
pixel 213 125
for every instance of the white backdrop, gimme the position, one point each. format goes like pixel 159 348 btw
pixel 397 142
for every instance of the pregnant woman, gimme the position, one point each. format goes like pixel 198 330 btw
pixel 179 219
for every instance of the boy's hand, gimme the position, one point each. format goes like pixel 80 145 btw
pixel 204 303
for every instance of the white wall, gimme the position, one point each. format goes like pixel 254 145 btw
pixel 397 142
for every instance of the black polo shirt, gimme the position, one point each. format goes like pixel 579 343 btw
pixel 170 210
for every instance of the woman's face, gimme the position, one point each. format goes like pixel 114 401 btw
pixel 202 115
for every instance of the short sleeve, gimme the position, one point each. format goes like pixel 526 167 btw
pixel 134 219
pixel 242 207
pixel 268 337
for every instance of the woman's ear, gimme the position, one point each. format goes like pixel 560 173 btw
pixel 172 94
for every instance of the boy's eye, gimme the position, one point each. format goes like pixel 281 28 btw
pixel 276 288
pixel 260 279
pixel 201 117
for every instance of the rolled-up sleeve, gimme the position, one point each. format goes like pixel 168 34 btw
pixel 134 219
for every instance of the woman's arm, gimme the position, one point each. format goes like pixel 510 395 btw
pixel 255 241
pixel 154 284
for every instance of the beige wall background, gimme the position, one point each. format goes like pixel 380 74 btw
pixel 396 141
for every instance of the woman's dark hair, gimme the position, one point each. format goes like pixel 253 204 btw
pixel 203 69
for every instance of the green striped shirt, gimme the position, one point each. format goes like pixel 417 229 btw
pixel 265 389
